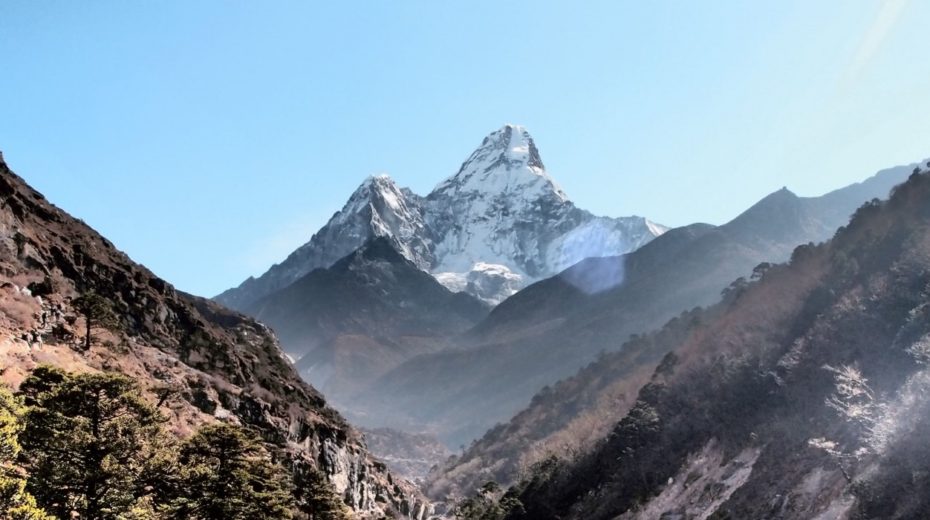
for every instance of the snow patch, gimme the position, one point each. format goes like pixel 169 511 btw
pixel 491 283
pixel 455 282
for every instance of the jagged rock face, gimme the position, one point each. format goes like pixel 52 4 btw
pixel 222 365
pixel 501 208
pixel 475 212
pixel 378 208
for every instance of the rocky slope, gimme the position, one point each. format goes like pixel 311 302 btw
pixel 214 364
pixel 495 226
pixel 549 330
pixel 804 394
pixel 348 324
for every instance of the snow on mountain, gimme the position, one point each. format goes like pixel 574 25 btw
pixel 490 283
pixel 500 223
pixel 377 208
pixel 502 208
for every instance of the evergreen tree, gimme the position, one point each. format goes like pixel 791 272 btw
pixel 97 312
pixel 96 449
pixel 489 504
pixel 87 442
pixel 42 380
pixel 226 474
pixel 15 502
pixel 317 498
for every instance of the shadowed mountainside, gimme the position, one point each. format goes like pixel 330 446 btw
pixel 348 324
pixel 549 330
pixel 802 395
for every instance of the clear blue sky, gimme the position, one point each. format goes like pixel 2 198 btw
pixel 209 139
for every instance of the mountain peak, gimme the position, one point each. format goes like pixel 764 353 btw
pixel 376 189
pixel 381 178
pixel 783 194
pixel 511 146
pixel 378 182
pixel 500 208
pixel 507 161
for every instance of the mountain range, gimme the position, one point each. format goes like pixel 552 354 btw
pixel 394 347
pixel 394 276
pixel 498 224
pixel 552 328
pixel 773 366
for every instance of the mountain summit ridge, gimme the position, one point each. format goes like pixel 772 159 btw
pixel 499 223
pixel 511 147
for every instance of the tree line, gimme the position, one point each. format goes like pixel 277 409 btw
pixel 91 446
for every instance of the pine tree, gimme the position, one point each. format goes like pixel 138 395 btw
pixel 87 440
pixel 317 498
pixel 96 449
pixel 226 474
pixel 97 312
pixel 15 502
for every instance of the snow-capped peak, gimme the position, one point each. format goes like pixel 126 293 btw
pixel 374 183
pixel 518 145
pixel 506 162
pixel 496 225
pixel 371 183
pixel 380 208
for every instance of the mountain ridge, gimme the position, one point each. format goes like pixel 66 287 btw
pixel 501 208
pixel 572 413
pixel 219 365
pixel 349 323
pixel 802 395
pixel 552 328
